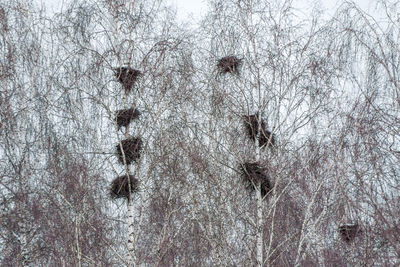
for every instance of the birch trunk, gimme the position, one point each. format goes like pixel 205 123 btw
pixel 260 221
pixel 131 248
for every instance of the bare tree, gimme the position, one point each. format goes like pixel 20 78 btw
pixel 263 137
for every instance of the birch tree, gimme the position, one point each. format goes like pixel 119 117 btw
pixel 267 137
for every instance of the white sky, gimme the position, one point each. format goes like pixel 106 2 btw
pixel 189 8
pixel 192 10
pixel 186 7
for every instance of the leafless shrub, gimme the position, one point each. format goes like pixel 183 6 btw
pixel 127 77
pixel 123 186
pixel 3 20
pixel 254 174
pixel 7 63
pixel 229 64
pixel 252 126
pixel 130 149
pixel 124 116
pixel 349 231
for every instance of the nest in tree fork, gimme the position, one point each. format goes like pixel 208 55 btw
pixel 130 148
pixel 349 231
pixel 127 77
pixel 124 116
pixel 124 186
pixel 253 175
pixel 229 64
pixel 253 126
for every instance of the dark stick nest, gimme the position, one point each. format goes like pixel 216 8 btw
pixel 254 174
pixel 124 116
pixel 127 77
pixel 265 137
pixel 349 231
pixel 131 148
pixel 123 186
pixel 229 64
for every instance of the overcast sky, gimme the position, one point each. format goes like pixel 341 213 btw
pixel 193 9
pixel 186 7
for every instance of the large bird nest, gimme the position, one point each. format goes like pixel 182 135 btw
pixel 265 137
pixel 229 64
pixel 123 186
pixel 254 174
pixel 130 149
pixel 349 231
pixel 124 116
pixel 127 77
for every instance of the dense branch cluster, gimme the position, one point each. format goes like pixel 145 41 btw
pixel 123 117
pixel 123 186
pixel 257 129
pixel 349 231
pixel 229 64
pixel 128 150
pixel 127 77
pixel 254 175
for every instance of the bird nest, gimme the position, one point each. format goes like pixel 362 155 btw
pixel 127 77
pixel 229 64
pixel 254 174
pixel 349 231
pixel 265 137
pixel 129 149
pixel 123 186
pixel 124 116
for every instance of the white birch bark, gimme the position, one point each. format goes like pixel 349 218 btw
pixel 131 248
pixel 260 219
pixel 260 222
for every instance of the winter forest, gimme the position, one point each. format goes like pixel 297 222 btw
pixel 266 135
